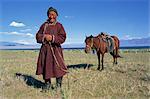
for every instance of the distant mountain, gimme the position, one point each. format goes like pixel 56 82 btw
pixel 13 45
pixel 10 44
pixel 73 45
pixel 136 42
pixel 123 43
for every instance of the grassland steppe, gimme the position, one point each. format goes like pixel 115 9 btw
pixel 130 79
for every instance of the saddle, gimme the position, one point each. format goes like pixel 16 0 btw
pixel 109 40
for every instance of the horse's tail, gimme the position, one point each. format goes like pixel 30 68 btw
pixel 115 52
pixel 118 56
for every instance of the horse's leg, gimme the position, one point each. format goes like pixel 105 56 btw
pixel 113 55
pixel 116 56
pixel 102 60
pixel 98 55
pixel 114 60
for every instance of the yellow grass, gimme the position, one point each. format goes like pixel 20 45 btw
pixel 130 79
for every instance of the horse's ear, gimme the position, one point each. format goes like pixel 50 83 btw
pixel 91 36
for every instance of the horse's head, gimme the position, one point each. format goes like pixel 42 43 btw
pixel 89 44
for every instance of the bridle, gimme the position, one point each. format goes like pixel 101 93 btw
pixel 92 43
pixel 90 46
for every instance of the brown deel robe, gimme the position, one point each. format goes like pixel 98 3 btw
pixel 46 64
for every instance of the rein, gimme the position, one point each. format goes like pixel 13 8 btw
pixel 90 46
pixel 58 65
pixel 92 43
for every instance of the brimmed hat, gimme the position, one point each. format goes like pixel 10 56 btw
pixel 52 9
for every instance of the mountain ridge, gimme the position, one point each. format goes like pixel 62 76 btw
pixel 123 43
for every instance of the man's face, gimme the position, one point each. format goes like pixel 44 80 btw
pixel 52 16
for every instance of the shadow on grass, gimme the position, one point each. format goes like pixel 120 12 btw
pixel 30 81
pixel 80 66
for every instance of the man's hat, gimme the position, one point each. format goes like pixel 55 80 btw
pixel 52 9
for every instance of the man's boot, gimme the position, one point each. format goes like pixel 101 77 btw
pixel 58 86
pixel 46 86
pixel 59 82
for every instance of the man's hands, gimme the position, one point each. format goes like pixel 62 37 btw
pixel 48 37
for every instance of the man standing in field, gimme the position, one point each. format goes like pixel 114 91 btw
pixel 50 61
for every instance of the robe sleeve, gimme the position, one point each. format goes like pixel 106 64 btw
pixel 40 35
pixel 60 37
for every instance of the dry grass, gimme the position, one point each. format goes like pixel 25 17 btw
pixel 130 79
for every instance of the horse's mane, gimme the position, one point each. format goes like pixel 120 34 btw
pixel 91 36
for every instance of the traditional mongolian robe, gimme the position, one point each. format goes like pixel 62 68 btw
pixel 47 64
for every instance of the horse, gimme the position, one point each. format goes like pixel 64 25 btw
pixel 100 45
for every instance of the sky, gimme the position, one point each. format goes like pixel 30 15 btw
pixel 128 19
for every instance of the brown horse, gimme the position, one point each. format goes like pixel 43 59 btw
pixel 101 48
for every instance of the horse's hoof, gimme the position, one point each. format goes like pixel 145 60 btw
pixel 98 68
pixel 102 69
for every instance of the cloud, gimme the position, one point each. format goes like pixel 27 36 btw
pixel 18 34
pixel 25 30
pixel 69 17
pixel 17 24
pixel 129 37
pixel 22 42
pixel 149 34
pixel 29 34
pixel 27 42
pixel 14 33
